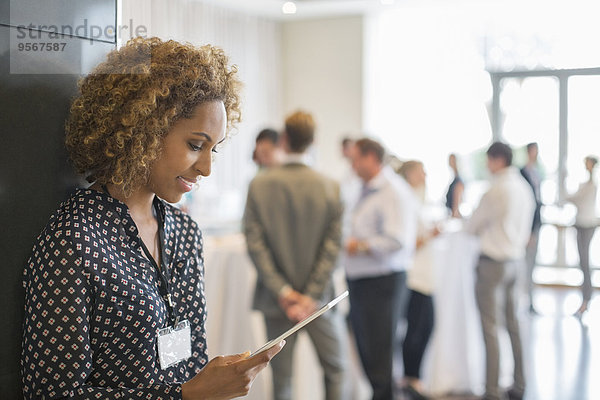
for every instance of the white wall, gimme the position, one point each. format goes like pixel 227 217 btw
pixel 253 43
pixel 311 64
pixel 322 73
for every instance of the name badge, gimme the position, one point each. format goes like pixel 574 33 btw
pixel 174 344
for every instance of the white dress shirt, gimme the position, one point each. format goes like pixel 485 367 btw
pixel 385 217
pixel 503 218
pixel 350 189
pixel 585 201
pixel 295 158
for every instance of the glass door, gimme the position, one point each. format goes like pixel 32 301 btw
pixel 583 141
pixel 529 109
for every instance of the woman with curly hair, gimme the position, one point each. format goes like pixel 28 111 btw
pixel 114 286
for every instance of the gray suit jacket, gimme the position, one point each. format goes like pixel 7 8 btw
pixel 292 224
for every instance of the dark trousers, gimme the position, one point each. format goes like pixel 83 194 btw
pixel 374 313
pixel 419 317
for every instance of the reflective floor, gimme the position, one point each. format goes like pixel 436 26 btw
pixel 562 351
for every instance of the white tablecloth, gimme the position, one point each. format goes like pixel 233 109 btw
pixel 233 327
pixel 454 361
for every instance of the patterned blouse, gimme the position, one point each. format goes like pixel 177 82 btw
pixel 93 305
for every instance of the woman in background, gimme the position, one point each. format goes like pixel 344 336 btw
pixel 455 190
pixel 114 287
pixel 419 315
pixel 585 224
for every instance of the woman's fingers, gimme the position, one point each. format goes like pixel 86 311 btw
pixel 235 358
pixel 227 377
pixel 263 358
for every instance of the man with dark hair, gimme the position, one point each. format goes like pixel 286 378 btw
pixel 531 173
pixel 502 220
pixel 347 145
pixel 292 224
pixel 266 151
pixel 268 134
pixel 366 146
pixel 499 151
pixel 381 243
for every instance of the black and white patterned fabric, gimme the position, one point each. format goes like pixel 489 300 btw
pixel 93 304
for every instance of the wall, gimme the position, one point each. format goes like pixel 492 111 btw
pixel 35 93
pixel 253 43
pixel 322 73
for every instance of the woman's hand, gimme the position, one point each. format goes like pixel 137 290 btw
pixel 227 377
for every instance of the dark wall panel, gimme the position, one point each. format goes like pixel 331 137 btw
pixel 35 175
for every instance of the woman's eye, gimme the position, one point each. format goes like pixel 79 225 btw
pixel 194 147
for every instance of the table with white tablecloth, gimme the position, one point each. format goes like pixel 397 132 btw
pixel 454 360
pixel 233 327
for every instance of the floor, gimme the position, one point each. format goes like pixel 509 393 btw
pixel 562 352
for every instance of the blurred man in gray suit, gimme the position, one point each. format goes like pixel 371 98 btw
pixel 292 224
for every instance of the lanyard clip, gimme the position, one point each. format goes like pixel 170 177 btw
pixel 172 312
pixel 170 301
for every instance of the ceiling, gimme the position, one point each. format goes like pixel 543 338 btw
pixel 305 8
pixel 329 8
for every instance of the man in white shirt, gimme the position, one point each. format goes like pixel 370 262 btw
pixel 503 222
pixel 380 248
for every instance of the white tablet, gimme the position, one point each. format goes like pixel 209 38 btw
pixel 302 323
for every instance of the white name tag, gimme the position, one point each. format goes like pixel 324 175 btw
pixel 174 344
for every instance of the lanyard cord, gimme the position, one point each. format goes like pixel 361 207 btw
pixel 162 271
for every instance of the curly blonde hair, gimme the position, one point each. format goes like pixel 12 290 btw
pixel 130 101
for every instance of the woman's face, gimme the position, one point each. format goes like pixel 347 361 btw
pixel 452 161
pixel 187 151
pixel 416 177
pixel 589 164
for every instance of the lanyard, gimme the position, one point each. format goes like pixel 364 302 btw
pixel 162 272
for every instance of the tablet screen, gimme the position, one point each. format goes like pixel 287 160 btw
pixel 302 323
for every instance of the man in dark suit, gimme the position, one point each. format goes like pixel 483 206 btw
pixel 292 224
pixel 532 175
